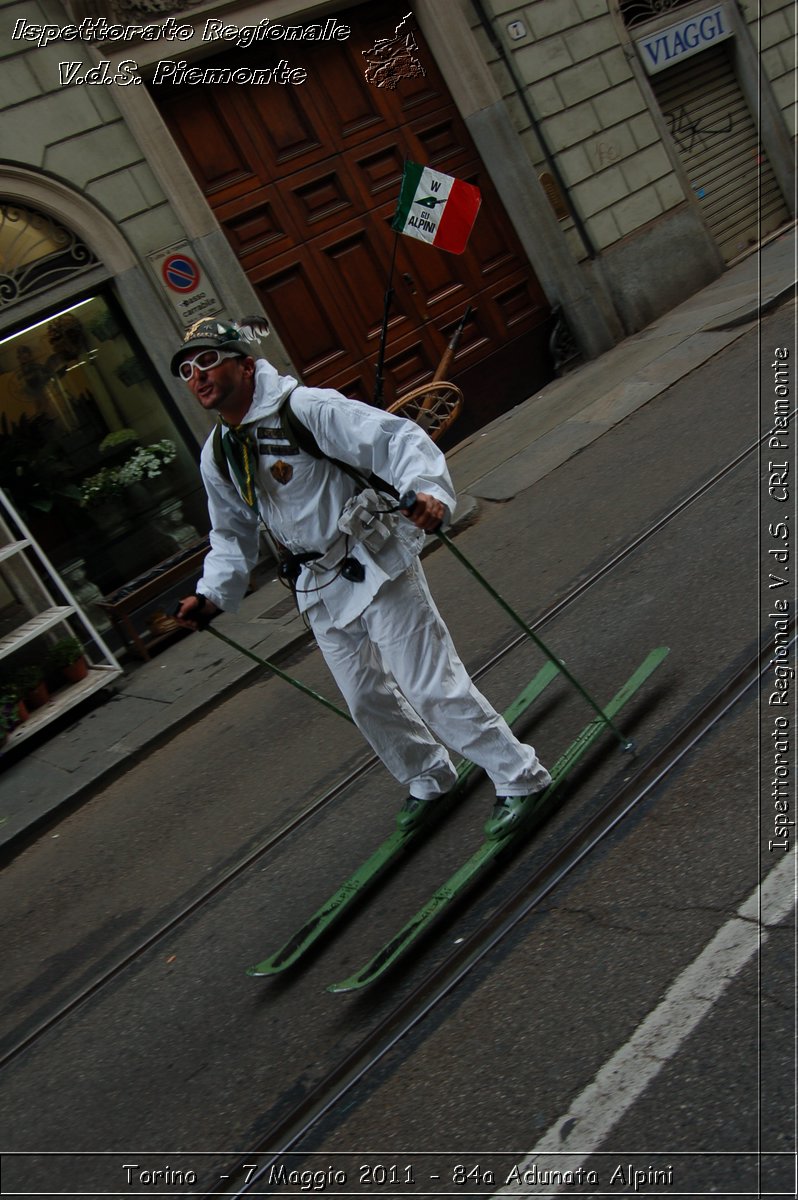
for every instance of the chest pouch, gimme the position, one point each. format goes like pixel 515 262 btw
pixel 365 520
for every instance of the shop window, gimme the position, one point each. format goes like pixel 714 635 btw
pixel 89 453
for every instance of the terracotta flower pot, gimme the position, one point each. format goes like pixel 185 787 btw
pixel 37 697
pixel 74 672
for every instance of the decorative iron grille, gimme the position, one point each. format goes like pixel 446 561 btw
pixel 121 10
pixel 36 253
pixel 637 12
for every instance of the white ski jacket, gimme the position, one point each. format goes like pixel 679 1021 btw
pixel 303 511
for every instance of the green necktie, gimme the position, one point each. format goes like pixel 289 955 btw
pixel 240 453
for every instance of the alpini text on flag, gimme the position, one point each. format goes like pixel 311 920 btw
pixel 436 208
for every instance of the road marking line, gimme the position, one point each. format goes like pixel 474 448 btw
pixel 630 1070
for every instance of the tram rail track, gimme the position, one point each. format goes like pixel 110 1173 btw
pixel 282 1138
pixel 131 956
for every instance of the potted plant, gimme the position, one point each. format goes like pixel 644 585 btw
pixel 33 468
pixel 69 658
pixel 143 464
pixel 119 439
pixel 12 709
pixel 105 327
pixel 32 685
pixel 5 728
pixel 131 371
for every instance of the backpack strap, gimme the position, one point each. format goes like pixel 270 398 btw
pixel 298 435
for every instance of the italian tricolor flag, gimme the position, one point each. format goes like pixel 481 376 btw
pixel 436 208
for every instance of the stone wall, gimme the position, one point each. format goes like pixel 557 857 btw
pixel 76 133
pixel 772 26
pixel 590 101
pixel 592 113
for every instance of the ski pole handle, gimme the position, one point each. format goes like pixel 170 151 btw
pixel 407 503
pixel 198 613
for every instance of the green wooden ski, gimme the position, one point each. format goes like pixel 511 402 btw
pixel 489 851
pixel 386 854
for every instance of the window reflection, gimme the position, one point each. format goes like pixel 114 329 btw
pixel 89 453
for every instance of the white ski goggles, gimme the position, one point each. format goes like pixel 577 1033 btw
pixel 205 360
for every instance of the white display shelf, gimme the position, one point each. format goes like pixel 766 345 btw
pixel 34 628
pixel 13 548
pixel 59 703
pixel 47 606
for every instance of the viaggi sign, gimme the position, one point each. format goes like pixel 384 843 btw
pixel 668 46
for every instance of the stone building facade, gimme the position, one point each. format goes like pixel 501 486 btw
pixel 574 76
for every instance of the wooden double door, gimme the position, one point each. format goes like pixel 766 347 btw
pixel 304 180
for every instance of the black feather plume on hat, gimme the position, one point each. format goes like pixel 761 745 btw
pixel 252 329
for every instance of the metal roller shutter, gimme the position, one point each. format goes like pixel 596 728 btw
pixel 716 139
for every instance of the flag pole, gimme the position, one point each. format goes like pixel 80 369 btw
pixel 379 382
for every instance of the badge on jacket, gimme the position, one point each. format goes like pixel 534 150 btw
pixel 282 471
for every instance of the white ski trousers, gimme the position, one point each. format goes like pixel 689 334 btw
pixel 408 692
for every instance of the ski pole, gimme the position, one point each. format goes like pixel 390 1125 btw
pixel 406 503
pixel 263 662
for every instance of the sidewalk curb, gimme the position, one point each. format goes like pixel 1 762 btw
pixel 759 310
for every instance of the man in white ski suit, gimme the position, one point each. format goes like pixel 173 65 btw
pixel 381 634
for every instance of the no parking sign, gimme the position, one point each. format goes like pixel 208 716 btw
pixel 180 273
pixel 185 283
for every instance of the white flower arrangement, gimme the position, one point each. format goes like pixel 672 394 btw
pixel 145 463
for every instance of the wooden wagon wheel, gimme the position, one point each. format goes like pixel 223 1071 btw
pixel 433 406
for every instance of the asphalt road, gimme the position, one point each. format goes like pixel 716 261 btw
pixel 183 1052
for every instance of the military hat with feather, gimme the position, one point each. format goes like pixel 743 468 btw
pixel 238 337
